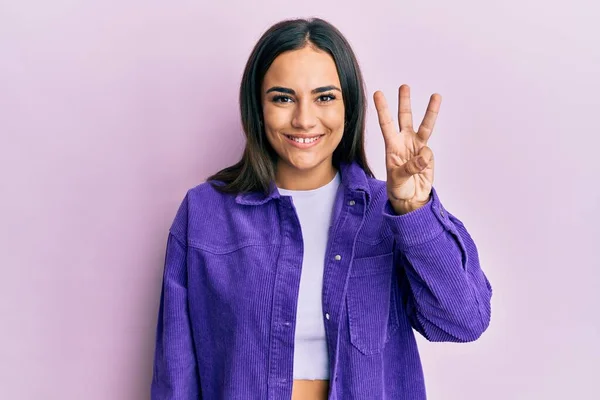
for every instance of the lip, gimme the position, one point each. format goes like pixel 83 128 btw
pixel 303 145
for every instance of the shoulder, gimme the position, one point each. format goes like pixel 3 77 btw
pixel 199 207
pixel 214 221
pixel 205 195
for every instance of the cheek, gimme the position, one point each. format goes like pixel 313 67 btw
pixel 333 118
pixel 275 116
pixel 274 122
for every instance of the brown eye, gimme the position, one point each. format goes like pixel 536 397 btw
pixel 326 98
pixel 281 99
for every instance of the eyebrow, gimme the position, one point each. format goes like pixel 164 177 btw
pixel 292 92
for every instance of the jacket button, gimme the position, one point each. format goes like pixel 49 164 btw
pixel 327 315
pixel 338 257
pixel 351 203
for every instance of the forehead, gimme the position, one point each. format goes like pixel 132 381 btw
pixel 303 69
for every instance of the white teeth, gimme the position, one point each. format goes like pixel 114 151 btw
pixel 303 140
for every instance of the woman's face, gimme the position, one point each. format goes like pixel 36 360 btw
pixel 303 109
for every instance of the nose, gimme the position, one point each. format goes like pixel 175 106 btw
pixel 305 117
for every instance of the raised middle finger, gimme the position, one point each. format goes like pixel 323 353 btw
pixel 404 109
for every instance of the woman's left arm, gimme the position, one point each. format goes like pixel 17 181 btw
pixel 446 294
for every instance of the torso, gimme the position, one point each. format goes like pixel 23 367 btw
pixel 241 248
pixel 310 390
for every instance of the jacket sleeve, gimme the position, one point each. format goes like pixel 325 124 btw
pixel 175 371
pixel 445 293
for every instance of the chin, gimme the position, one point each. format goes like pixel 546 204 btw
pixel 304 165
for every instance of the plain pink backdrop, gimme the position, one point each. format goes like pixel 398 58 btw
pixel 111 110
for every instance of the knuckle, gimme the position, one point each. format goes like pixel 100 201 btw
pixel 386 123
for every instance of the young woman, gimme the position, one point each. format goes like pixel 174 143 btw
pixel 295 273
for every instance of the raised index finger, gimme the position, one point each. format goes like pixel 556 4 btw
pixel 385 117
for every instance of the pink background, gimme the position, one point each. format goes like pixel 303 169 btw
pixel 110 111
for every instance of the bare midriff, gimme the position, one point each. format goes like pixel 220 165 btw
pixel 310 389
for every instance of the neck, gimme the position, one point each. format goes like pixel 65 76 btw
pixel 290 178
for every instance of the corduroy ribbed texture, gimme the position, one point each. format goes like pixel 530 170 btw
pixel 230 289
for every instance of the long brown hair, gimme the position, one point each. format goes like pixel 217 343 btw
pixel 256 169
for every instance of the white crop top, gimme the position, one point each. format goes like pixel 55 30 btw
pixel 314 209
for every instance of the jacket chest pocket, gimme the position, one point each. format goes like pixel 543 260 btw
pixel 371 302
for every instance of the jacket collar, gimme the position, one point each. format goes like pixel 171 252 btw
pixel 353 178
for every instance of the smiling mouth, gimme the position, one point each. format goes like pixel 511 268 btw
pixel 304 140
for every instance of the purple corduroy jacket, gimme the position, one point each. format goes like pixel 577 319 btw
pixel 230 288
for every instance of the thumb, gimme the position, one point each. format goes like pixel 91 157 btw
pixel 413 166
